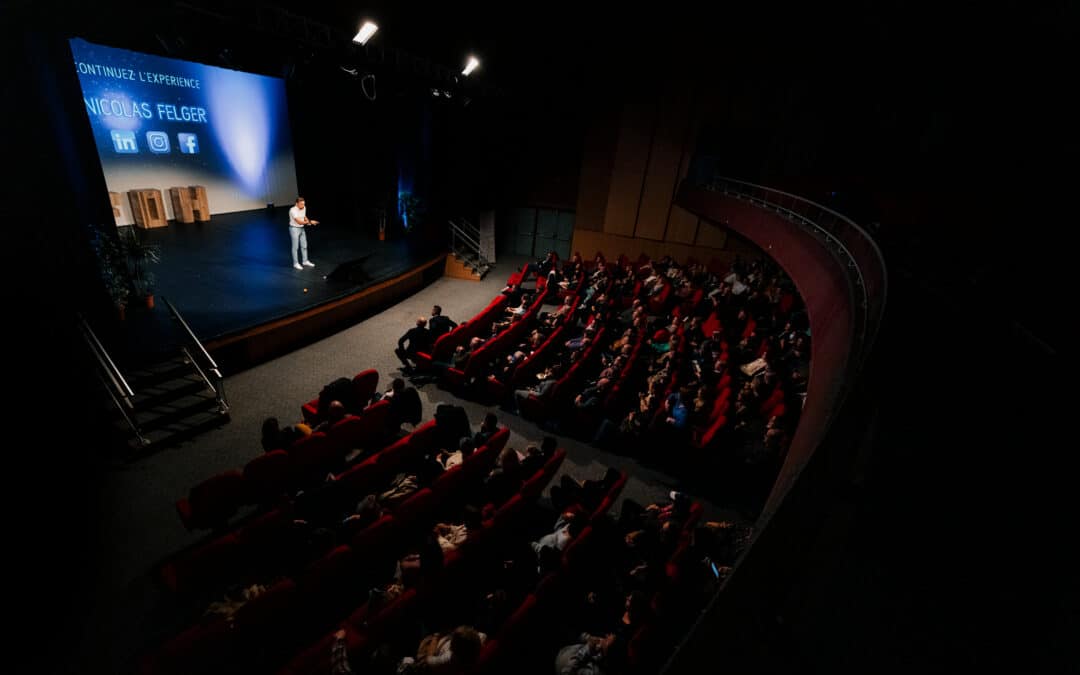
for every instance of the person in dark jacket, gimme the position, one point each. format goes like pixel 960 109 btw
pixel 419 339
pixel 439 325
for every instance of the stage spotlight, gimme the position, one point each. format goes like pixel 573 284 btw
pixel 366 31
pixel 472 65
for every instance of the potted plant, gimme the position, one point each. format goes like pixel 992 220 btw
pixel 139 254
pixel 112 266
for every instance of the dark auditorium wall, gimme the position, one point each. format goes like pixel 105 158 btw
pixel 635 155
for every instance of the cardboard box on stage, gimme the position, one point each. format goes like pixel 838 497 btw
pixel 114 200
pixel 147 208
pixel 189 204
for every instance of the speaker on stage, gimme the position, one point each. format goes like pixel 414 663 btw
pixel 351 271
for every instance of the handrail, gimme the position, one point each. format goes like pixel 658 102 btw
pixel 105 360
pixel 473 230
pixel 191 334
pixel 120 392
pixel 872 306
pixel 460 232
pixel 219 387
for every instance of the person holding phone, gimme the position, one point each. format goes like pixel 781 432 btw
pixel 298 222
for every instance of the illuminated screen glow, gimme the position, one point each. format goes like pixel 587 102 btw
pixel 162 123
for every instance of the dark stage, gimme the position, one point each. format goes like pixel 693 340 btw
pixel 235 272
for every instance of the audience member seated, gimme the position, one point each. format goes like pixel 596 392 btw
pixel 419 340
pixel 335 412
pixel 535 457
pixel 450 654
pixel 276 438
pixel 448 460
pixel 587 493
pixel 571 522
pixel 439 325
pixel 591 656
pixel 504 481
pixel 487 429
pixel 452 535
pixel 405 405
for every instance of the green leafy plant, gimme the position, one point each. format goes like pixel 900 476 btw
pixel 112 265
pixel 138 255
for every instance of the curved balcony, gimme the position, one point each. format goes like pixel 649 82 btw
pixel 840 273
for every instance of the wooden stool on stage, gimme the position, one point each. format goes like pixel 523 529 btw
pixel 189 204
pixel 114 200
pixel 147 208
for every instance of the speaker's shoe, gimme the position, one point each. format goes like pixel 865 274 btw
pixel 297 266
pixel 308 263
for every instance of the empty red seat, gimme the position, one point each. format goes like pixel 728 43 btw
pixel 214 563
pixel 269 476
pixel 374 537
pixel 205 647
pixel 213 502
pixel 328 585
pixel 314 454
pixel 264 538
pixel 364 384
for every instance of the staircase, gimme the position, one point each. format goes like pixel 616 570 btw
pixel 165 401
pixel 466 261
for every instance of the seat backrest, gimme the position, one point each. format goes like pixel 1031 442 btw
pixel 217 561
pixel 375 419
pixel 374 537
pixel 217 498
pixel 315 452
pixel 266 535
pixel 498 440
pixel 365 383
pixel 269 475
pixel 332 573
pixel 350 432
pixel 416 507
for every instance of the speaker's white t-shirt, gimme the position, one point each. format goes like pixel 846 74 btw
pixel 296 215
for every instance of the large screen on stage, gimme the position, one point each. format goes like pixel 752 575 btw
pixel 162 123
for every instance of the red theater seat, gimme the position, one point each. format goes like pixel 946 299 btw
pixel 365 383
pixel 269 476
pixel 213 502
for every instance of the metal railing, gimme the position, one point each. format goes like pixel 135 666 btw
pixel 112 379
pixel 861 257
pixel 465 241
pixel 209 368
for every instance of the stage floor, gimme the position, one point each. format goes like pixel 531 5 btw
pixel 235 272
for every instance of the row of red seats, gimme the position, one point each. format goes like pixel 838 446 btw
pixel 526 370
pixel 208 563
pixel 365 383
pixel 269 476
pixel 495 347
pixel 443 349
pixel 555 399
pixel 670 605
pixel 366 627
pixel 321 593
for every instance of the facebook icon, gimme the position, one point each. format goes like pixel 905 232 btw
pixel 189 143
pixel 124 142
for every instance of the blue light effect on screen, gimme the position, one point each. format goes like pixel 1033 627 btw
pixel 206 124
pixel 242 122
